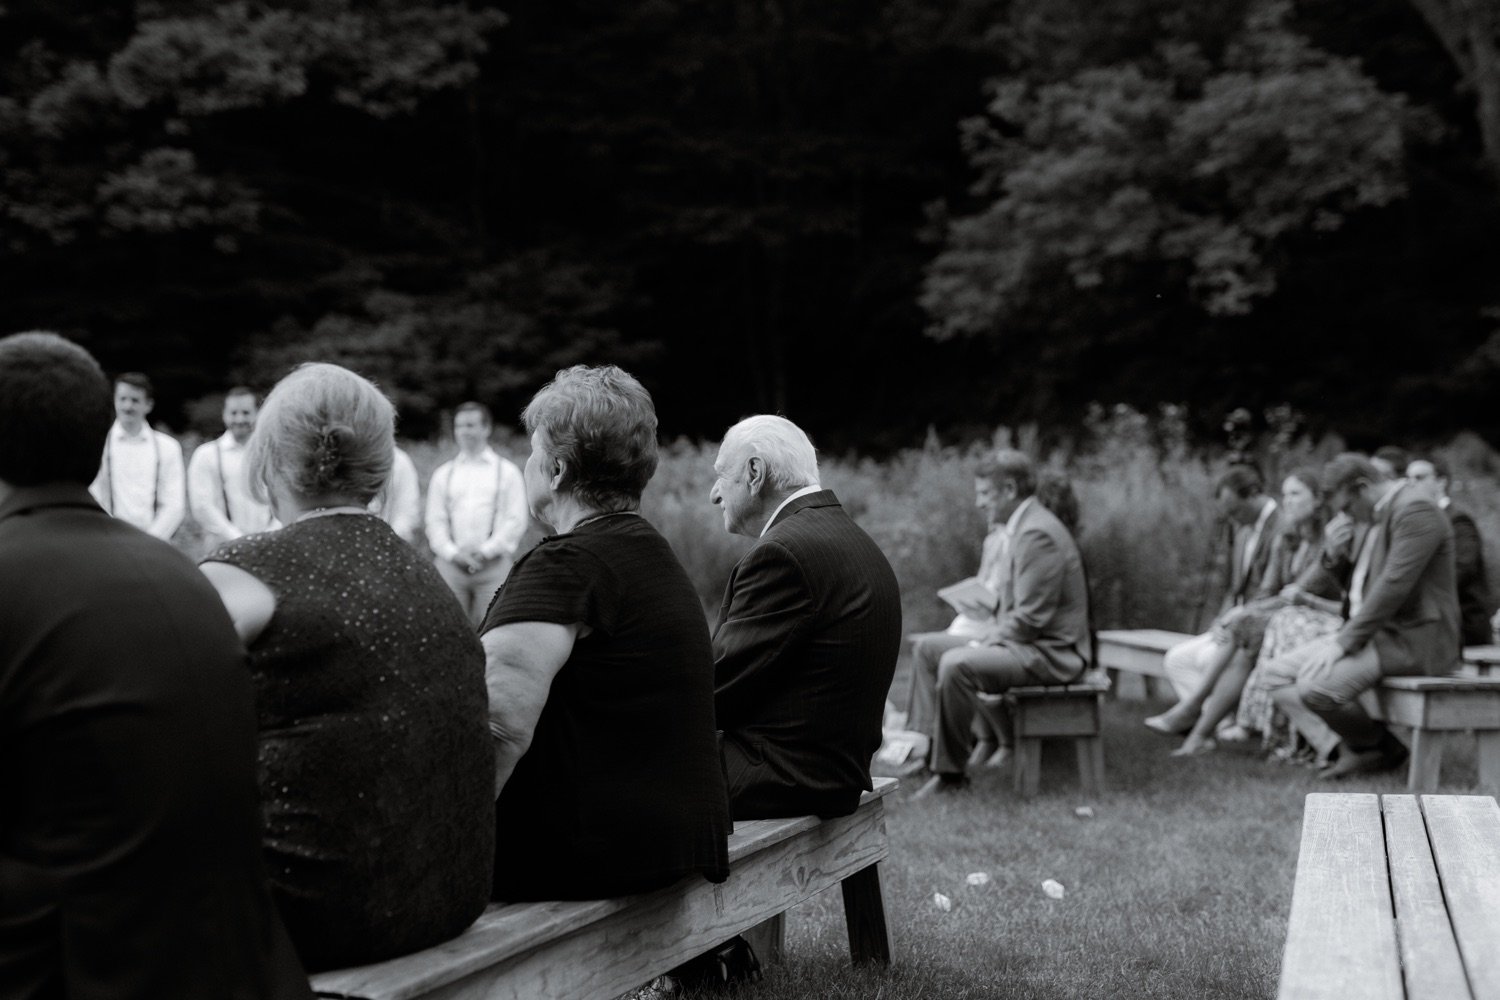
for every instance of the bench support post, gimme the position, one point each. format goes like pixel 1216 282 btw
pixel 1488 744
pixel 1028 764
pixel 1090 764
pixel 864 914
pixel 768 940
pixel 1426 759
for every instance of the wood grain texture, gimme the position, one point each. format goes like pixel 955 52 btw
pixel 1429 954
pixel 864 915
pixel 546 949
pixel 1341 937
pixel 1464 831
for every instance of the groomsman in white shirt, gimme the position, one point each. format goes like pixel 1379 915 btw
pixel 218 492
pixel 140 476
pixel 476 513
pixel 399 504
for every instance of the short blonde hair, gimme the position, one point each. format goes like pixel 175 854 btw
pixel 790 458
pixel 323 431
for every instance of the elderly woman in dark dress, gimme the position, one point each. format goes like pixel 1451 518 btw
pixel 600 669
pixel 376 773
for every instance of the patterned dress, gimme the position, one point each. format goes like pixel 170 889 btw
pixel 376 770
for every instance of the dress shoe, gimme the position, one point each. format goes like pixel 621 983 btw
pixel 912 768
pixel 941 784
pixel 982 752
pixel 1168 724
pixel 1350 762
pixel 1000 758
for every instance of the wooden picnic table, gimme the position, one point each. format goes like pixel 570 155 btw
pixel 1397 897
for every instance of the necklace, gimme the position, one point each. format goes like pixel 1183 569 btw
pixel 600 517
pixel 329 511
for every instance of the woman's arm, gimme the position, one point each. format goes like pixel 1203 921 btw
pixel 249 602
pixel 520 661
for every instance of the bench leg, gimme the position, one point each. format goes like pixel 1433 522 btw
pixel 1090 764
pixel 1426 760
pixel 768 940
pixel 864 914
pixel 1489 761
pixel 1028 765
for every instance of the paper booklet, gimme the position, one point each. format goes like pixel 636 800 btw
pixel 969 591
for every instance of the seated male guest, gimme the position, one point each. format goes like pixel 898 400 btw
pixel 375 767
pixel 1042 632
pixel 599 669
pixel 808 633
pixel 1403 615
pixel 1475 602
pixel 130 862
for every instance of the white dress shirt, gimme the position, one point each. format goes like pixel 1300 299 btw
pixel 140 480
pixel 477 502
pixel 219 493
pixel 400 503
pixel 804 491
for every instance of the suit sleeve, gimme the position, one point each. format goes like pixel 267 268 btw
pixel 761 628
pixel 1039 572
pixel 1468 549
pixel 1416 533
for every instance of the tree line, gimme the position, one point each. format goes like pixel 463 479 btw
pixel 877 218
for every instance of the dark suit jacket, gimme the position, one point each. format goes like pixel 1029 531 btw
pixel 130 854
pixel 804 652
pixel 1410 606
pixel 1475 604
pixel 1044 600
pixel 1247 567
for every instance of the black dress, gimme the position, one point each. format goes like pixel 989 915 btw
pixel 622 789
pixel 376 769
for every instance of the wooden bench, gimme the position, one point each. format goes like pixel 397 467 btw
pixel 603 948
pixel 1070 711
pixel 1434 707
pixel 1396 898
pixel 1138 651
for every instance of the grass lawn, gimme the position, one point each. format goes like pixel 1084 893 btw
pixel 1179 886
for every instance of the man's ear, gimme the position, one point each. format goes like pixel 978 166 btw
pixel 755 474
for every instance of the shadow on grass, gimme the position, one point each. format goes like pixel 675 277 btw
pixel 1178 886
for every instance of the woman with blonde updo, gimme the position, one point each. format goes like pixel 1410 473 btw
pixel 376 772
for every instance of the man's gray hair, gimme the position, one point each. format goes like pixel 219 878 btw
pixel 791 461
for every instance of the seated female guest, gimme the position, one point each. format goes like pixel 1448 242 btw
pixel 375 768
pixel 600 670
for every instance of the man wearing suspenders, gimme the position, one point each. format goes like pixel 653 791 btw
pixel 217 490
pixel 140 475
pixel 476 513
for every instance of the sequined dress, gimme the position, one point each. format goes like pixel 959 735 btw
pixel 376 770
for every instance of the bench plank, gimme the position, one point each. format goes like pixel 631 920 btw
pixel 1465 834
pixel 1341 938
pixel 1429 953
pixel 1137 651
pixel 605 947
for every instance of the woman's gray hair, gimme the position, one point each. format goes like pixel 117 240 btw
pixel 602 424
pixel 790 458
pixel 323 431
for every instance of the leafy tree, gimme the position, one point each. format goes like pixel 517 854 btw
pixel 1187 171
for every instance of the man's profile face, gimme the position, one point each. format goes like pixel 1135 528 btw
pixel 1423 477
pixel 731 492
pixel 988 499
pixel 471 430
pixel 239 416
pixel 131 406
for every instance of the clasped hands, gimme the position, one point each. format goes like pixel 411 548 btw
pixel 472 560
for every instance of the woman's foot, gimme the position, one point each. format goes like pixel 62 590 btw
pixel 1194 747
pixel 1169 723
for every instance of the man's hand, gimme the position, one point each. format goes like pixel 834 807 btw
pixel 1338 533
pixel 470 558
pixel 1324 654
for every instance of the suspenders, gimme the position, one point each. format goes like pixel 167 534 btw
pixel 448 499
pixel 223 486
pixel 109 472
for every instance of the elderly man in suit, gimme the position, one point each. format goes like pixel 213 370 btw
pixel 1403 615
pixel 1041 635
pixel 1241 500
pixel 130 833
pixel 808 634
